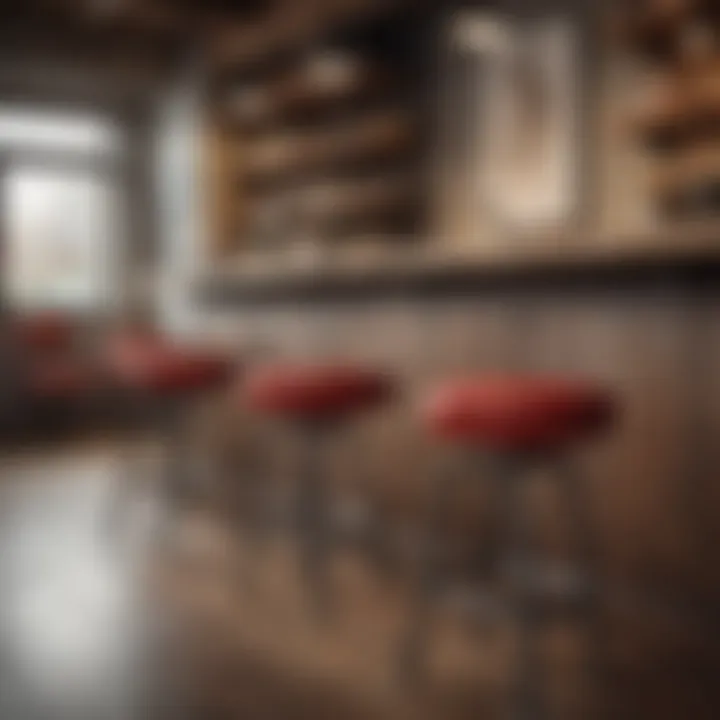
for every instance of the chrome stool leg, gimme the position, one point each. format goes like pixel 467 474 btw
pixel 584 538
pixel 249 505
pixel 518 562
pixel 130 470
pixel 179 481
pixel 175 481
pixel 313 527
pixel 522 570
pixel 429 580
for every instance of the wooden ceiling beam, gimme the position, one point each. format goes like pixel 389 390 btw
pixel 63 39
pixel 158 17
pixel 149 18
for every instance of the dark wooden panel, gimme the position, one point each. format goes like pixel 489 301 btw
pixel 651 480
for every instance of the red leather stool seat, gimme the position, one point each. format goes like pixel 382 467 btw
pixel 148 363
pixel 518 413
pixel 43 332
pixel 60 380
pixel 315 391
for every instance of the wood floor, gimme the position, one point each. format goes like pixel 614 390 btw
pixel 105 616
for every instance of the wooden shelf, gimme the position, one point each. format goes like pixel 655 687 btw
pixel 682 110
pixel 332 95
pixel 654 28
pixel 295 101
pixel 657 29
pixel 551 262
pixel 349 196
pixel 381 137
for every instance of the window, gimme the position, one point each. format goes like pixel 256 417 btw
pixel 60 239
pixel 61 209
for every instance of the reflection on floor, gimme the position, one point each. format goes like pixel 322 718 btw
pixel 106 619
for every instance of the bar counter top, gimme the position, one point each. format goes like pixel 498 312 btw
pixel 417 268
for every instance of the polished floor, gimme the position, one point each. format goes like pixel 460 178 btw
pixel 102 615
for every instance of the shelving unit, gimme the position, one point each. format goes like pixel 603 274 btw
pixel 652 26
pixel 678 120
pixel 325 130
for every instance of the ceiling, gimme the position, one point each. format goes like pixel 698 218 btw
pixel 91 50
pixel 127 48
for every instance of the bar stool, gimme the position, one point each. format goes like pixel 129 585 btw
pixel 64 382
pixel 318 401
pixel 520 425
pixel 49 373
pixel 163 383
pixel 47 332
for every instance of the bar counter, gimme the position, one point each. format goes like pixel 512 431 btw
pixel 640 315
pixel 420 269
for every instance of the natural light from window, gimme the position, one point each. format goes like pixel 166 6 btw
pixel 61 200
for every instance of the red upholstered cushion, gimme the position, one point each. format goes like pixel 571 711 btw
pixel 518 413
pixel 316 391
pixel 43 333
pixel 60 379
pixel 149 363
